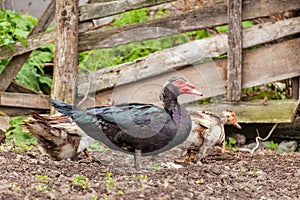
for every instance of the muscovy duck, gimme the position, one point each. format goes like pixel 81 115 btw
pixel 58 136
pixel 137 128
pixel 207 131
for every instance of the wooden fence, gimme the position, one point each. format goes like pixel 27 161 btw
pixel 141 80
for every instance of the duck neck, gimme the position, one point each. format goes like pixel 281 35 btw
pixel 172 107
pixel 223 118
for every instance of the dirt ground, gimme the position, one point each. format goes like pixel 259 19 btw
pixel 26 174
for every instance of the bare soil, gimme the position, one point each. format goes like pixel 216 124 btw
pixel 26 174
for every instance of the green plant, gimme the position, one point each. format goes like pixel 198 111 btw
pixel 224 28
pixel 15 133
pixel 144 178
pixel 14 186
pixel 14 27
pixel 201 181
pixel 199 34
pixel 110 182
pixel 231 142
pixel 120 192
pixel 40 187
pixel 272 145
pixel 43 179
pixel 80 180
pixel 258 172
pixel 154 166
pixel 32 72
pixel 132 17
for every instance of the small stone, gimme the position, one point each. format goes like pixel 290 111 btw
pixel 2 160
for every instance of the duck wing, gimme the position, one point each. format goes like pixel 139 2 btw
pixel 139 120
pixel 205 118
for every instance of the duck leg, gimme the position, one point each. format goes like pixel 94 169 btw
pixel 87 153
pixel 137 159
pixel 90 158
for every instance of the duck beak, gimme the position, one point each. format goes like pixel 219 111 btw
pixel 237 125
pixel 196 92
pixel 190 89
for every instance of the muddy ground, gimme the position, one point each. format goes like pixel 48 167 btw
pixel 26 174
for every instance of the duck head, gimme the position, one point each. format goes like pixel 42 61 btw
pixel 230 118
pixel 177 86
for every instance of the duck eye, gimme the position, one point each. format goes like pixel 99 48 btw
pixel 228 117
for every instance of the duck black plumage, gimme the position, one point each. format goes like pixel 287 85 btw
pixel 137 128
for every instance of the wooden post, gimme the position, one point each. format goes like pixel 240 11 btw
pixel 234 60
pixel 296 87
pixel 15 64
pixel 66 51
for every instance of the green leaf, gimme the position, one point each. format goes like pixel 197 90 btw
pixel 247 24
pixel 28 76
pixel 20 33
pixel 32 19
pixel 272 145
pixel 231 140
pixel 15 132
pixel 22 40
pixel 258 172
pixel 46 80
pixel 222 29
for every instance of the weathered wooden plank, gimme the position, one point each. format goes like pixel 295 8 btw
pixel 104 9
pixel 34 42
pixel 100 1
pixel 194 20
pixel 66 51
pixel 234 55
pixel 15 64
pixel 18 111
pixel 109 7
pixel 182 55
pixel 296 87
pixel 282 111
pixel 260 66
pixel 19 88
pixel 24 100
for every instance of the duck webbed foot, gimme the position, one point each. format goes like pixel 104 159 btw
pixel 91 159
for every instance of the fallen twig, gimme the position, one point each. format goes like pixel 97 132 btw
pixel 258 139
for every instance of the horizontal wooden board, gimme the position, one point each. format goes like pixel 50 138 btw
pixel 276 111
pixel 103 9
pixel 99 9
pixel 24 100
